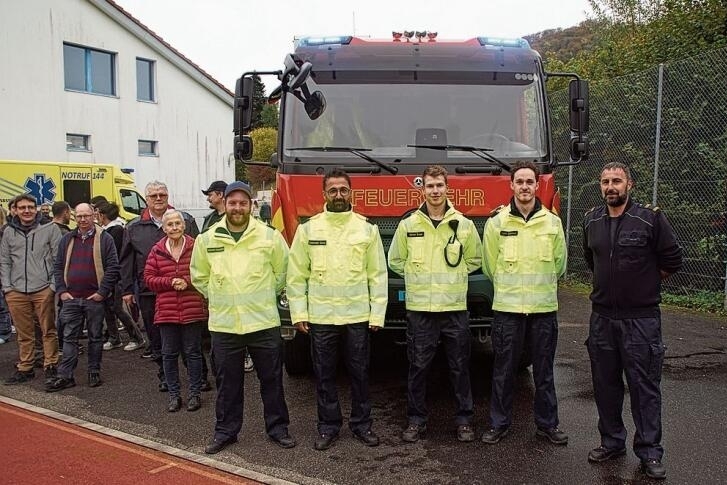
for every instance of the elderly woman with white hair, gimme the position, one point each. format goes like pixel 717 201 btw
pixel 180 311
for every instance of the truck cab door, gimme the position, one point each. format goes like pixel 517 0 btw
pixel 132 203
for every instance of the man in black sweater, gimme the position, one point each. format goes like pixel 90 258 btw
pixel 108 218
pixel 630 248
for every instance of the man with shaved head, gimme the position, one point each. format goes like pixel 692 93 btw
pixel 86 271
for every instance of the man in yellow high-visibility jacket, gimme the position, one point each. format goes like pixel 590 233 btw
pixel 239 266
pixel 435 248
pixel 337 289
pixel 524 255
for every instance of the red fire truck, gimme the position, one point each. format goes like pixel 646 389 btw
pixel 383 110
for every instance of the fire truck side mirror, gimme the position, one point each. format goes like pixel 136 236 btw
pixel 579 147
pixel 579 116
pixel 578 101
pixel 301 77
pixel 315 105
pixel 242 114
pixel 243 148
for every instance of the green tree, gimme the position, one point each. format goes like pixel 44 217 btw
pixel 259 101
pixel 631 35
pixel 270 116
pixel 265 141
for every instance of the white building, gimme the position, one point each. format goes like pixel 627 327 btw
pixel 84 81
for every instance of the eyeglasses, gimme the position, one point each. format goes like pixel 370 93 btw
pixel 157 196
pixel 84 216
pixel 344 191
pixel 25 208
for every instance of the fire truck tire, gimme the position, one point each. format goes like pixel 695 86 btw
pixel 296 354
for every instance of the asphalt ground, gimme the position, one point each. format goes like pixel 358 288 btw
pixel 694 392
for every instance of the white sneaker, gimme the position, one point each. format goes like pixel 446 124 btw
pixel 2 340
pixel 132 346
pixel 12 329
pixel 108 345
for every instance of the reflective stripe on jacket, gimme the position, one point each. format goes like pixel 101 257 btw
pixel 524 260
pixel 417 253
pixel 337 271
pixel 240 279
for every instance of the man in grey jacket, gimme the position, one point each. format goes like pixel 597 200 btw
pixel 27 255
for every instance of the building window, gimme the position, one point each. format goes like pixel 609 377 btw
pixel 145 80
pixel 78 143
pixel 148 148
pixel 89 70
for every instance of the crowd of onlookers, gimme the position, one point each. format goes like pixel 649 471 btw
pixel 62 284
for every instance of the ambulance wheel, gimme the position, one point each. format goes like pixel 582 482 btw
pixel 297 355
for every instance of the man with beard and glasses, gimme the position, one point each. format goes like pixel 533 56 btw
pixel 630 249
pixel 524 254
pixel 239 266
pixel 337 289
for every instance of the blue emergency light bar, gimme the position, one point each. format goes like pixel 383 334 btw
pixel 331 40
pixel 502 42
pixel 127 170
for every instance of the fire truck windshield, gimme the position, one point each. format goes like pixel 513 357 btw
pixel 387 112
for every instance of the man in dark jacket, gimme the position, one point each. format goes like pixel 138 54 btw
pixel 140 236
pixel 265 212
pixel 86 271
pixel 630 248
pixel 61 216
pixel 215 197
pixel 108 218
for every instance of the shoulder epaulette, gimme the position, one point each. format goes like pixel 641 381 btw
pixel 497 209
pixel 409 213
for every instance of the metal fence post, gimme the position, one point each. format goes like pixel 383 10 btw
pixel 657 141
pixel 567 214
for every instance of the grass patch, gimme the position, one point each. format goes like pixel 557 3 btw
pixel 699 300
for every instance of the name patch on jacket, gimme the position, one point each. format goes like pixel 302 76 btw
pixel 508 233
pixel 215 250
pixel 415 234
pixel 316 243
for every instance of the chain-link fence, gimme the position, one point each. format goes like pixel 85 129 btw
pixel 669 125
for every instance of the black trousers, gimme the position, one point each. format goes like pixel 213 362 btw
pixel 266 350
pixel 324 353
pixel 424 330
pixel 634 347
pixel 510 333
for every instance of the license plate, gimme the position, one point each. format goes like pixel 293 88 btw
pixel 402 295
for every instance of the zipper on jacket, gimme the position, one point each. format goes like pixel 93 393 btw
pixel 25 267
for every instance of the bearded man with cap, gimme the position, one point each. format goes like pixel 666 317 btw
pixel 239 265
pixel 215 197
